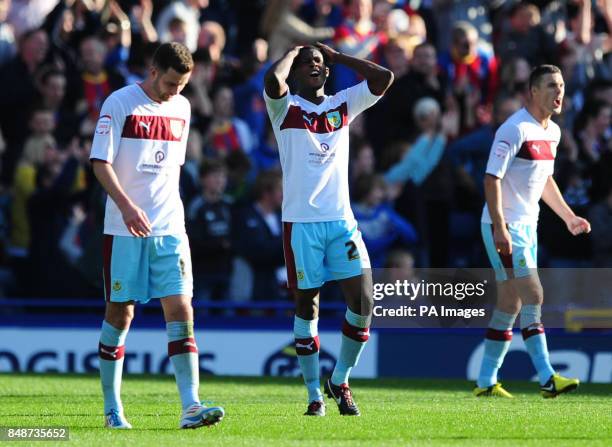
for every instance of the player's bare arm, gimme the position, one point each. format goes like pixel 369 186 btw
pixel 135 218
pixel 379 78
pixel 275 80
pixel 493 196
pixel 553 198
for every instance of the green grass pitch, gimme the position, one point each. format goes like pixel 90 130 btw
pixel 268 412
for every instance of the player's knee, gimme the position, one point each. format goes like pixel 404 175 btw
pixel 119 316
pixel 307 303
pixel 180 312
pixel 511 307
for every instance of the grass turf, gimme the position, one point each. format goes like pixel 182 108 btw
pixel 268 411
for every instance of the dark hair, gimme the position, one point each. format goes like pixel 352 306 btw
pixel 38 107
pixel 176 21
pixel 595 86
pixel 212 166
pixel 424 45
pixel 49 72
pixel 364 184
pixel 173 55
pixel 517 6
pixel 265 182
pixel 539 72
pixel 309 48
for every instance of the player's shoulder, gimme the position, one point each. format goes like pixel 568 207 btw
pixel 554 129
pixel 123 93
pixel 182 100
pixel 122 98
pixel 514 125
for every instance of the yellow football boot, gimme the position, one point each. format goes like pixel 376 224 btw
pixel 558 385
pixel 493 391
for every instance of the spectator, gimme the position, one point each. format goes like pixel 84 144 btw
pixel 600 217
pixel 514 78
pixel 593 130
pixel 423 80
pixel 523 36
pixel 142 27
pixel 381 227
pixel 400 265
pixel 428 192
pixel 190 171
pixel 265 157
pixel 189 12
pixel 211 41
pixel 209 226
pixel 117 37
pixel 178 30
pixel 396 54
pixel 227 133
pixel 259 240
pixel 39 150
pixel 19 74
pixel 285 29
pixel 52 88
pixel 426 152
pixel 362 161
pixel 590 47
pixel 97 82
pixel 49 209
pixel 322 13
pixel 472 72
pixel 7 38
pixel 26 15
pixel 140 62
pixel 249 103
pixel 357 36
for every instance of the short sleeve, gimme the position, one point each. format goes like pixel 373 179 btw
pixel 507 143
pixel 107 135
pixel 277 108
pixel 359 98
pixel 185 136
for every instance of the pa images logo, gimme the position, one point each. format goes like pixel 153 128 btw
pixel 284 363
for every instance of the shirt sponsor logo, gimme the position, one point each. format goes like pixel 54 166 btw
pixel 104 125
pixel 502 149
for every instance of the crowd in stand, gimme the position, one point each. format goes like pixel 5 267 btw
pixel 417 158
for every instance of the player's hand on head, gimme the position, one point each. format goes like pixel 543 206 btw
pixel 136 221
pixel 329 53
pixel 578 225
pixel 503 241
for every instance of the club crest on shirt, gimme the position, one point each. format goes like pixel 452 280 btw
pixel 176 127
pixel 334 119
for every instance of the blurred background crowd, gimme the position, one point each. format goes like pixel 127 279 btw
pixel 417 158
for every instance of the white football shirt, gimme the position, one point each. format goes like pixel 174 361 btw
pixel 523 156
pixel 145 141
pixel 313 144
